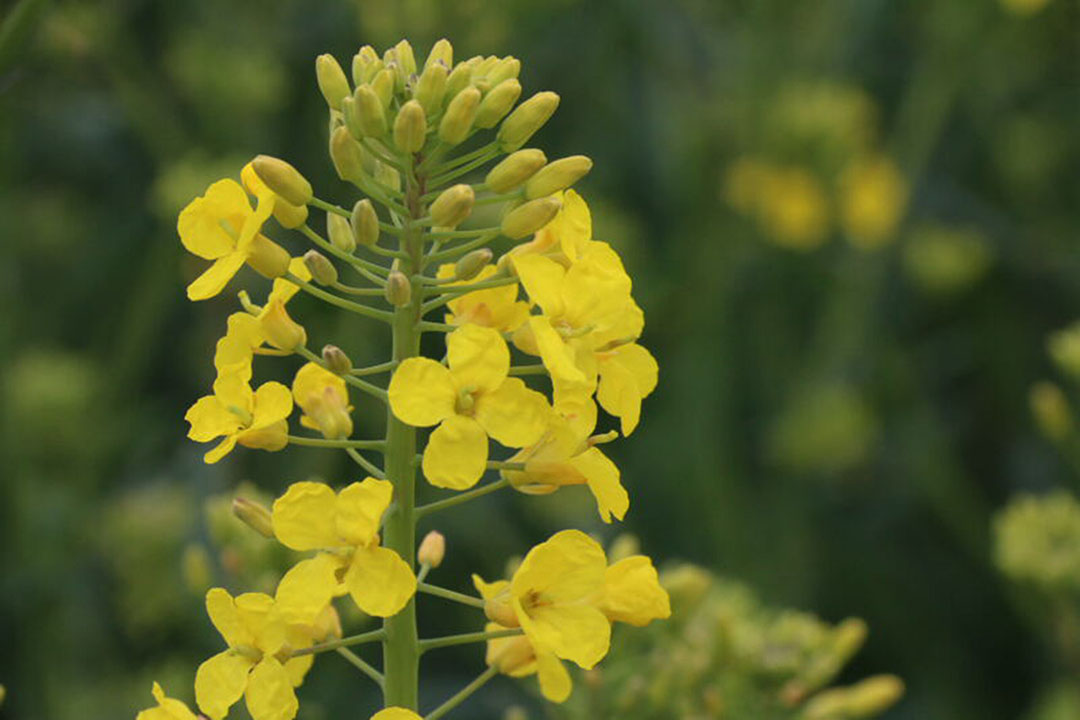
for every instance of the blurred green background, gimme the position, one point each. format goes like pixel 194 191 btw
pixel 852 225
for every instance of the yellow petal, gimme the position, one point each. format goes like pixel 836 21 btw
pixel 168 708
pixel 209 419
pixel 558 357
pixel 542 279
pixel 596 289
pixel 233 353
pixel 489 590
pixel 579 633
pixel 627 375
pixel 574 225
pixel 633 593
pixel 555 682
pixel 199 224
pixel 567 568
pixel 256 612
pixel 221 608
pixel 360 508
pixel 303 518
pixel 602 475
pixel 478 357
pixel 273 437
pixel 513 415
pixel 395 713
pixel 422 392
pixel 270 693
pixel 298 668
pixel 216 277
pixel 312 380
pixel 234 392
pixel 283 289
pixel 306 589
pixel 273 403
pixel 219 683
pixel 456 454
pixel 641 364
pixel 223 448
pixel 379 581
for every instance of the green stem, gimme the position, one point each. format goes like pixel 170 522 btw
pixel 325 443
pixel 349 289
pixel 372 271
pixel 445 594
pixel 340 302
pixel 374 369
pixel 329 207
pixel 363 462
pixel 466 168
pixel 369 388
pixel 528 370
pixel 360 664
pixel 461 497
pixel 463 695
pixel 466 638
pixel 463 248
pixel 367 637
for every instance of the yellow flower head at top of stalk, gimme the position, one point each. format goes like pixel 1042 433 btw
pixel 167 708
pixel 324 398
pixel 311 516
pixel 469 401
pixel 253 419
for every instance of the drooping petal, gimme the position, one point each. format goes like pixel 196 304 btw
pixel 602 476
pixel 360 508
pixel 219 683
pixel 558 357
pixel 513 414
pixel 574 225
pixel 422 392
pixel 304 517
pixel 641 364
pixel 633 593
pixel 542 278
pixel 379 581
pixel 456 454
pixel 273 403
pixel 627 374
pixel 555 682
pixel 209 419
pixel 221 608
pixel 270 693
pixel 216 277
pixel 306 589
pixel 478 357
pixel 223 448
pixel 284 289
pixel 579 633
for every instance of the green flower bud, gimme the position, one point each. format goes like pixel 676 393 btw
pixel 254 515
pixel 384 83
pixel 515 169
pixel 365 223
pixel 268 258
pixel 370 116
pixel 387 176
pixel 458 118
pixel 322 270
pixel 530 217
pixel 346 154
pixel 365 64
pixel 529 117
pixel 557 176
pixel 472 263
pixel 431 87
pixel 398 289
pixel 410 127
pixel 405 57
pixel 505 69
pixel 336 360
pixel 340 233
pixel 497 103
pixel 283 179
pixel 874 695
pixel 485 65
pixel 460 77
pixel 442 51
pixel 453 206
pixel 350 115
pixel 333 84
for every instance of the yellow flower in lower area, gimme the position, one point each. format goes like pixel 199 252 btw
pixel 311 516
pixel 497 307
pixel 873 196
pixel 167 708
pixel 324 398
pixel 469 401
pixel 253 419
pixel 516 657
pixel 396 713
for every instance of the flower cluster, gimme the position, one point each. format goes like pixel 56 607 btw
pixel 537 342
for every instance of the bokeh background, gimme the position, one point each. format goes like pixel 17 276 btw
pixel 852 225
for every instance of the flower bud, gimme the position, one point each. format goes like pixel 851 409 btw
pixel 365 64
pixel 365 223
pixel 410 127
pixel 529 117
pixel 340 232
pixel 498 610
pixel 289 216
pixel 386 176
pixel 459 78
pixel 346 153
pixel 874 695
pixel 453 206
pixel 283 179
pixel 369 113
pixel 431 87
pixel 406 57
pixel 506 69
pixel 384 83
pixel 557 176
pixel 530 217
pixel 510 655
pixel 432 549
pixel 322 270
pixel 329 411
pixel 350 114
pixel 458 118
pixel 280 330
pixel 471 264
pixel 398 289
pixel 514 169
pixel 483 67
pixel 333 84
pixel 254 515
pixel 441 51
pixel 336 360
pixel 267 257
pixel 497 103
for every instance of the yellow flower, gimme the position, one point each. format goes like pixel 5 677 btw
pixel 568 233
pixel 289 215
pixel 310 516
pixel 221 226
pixel 496 307
pixel 873 195
pixel 516 657
pixel 470 401
pixel 793 208
pixel 632 592
pixel 253 419
pixel 323 397
pixel 167 708
pixel 396 713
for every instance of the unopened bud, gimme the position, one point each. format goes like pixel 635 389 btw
pixel 346 154
pixel 336 360
pixel 350 115
pixel 557 176
pixel 268 258
pixel 280 330
pixel 365 223
pixel 507 68
pixel 530 217
pixel 441 51
pixel 483 67
pixel 874 695
pixel 333 84
pixel 458 118
pixel 386 176
pixel 510 655
pixel 398 289
pixel 406 57
pixel 453 206
pixel 459 78
pixel 410 127
pixel 431 87
pixel 384 83
pixel 432 549
pixel 340 232
pixel 529 117
pixel 283 179
pixel 330 413
pixel 498 610
pixel 514 170
pixel 471 264
pixel 497 103
pixel 369 113
pixel 365 64
pixel 322 270
pixel 254 515
pixel 849 636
